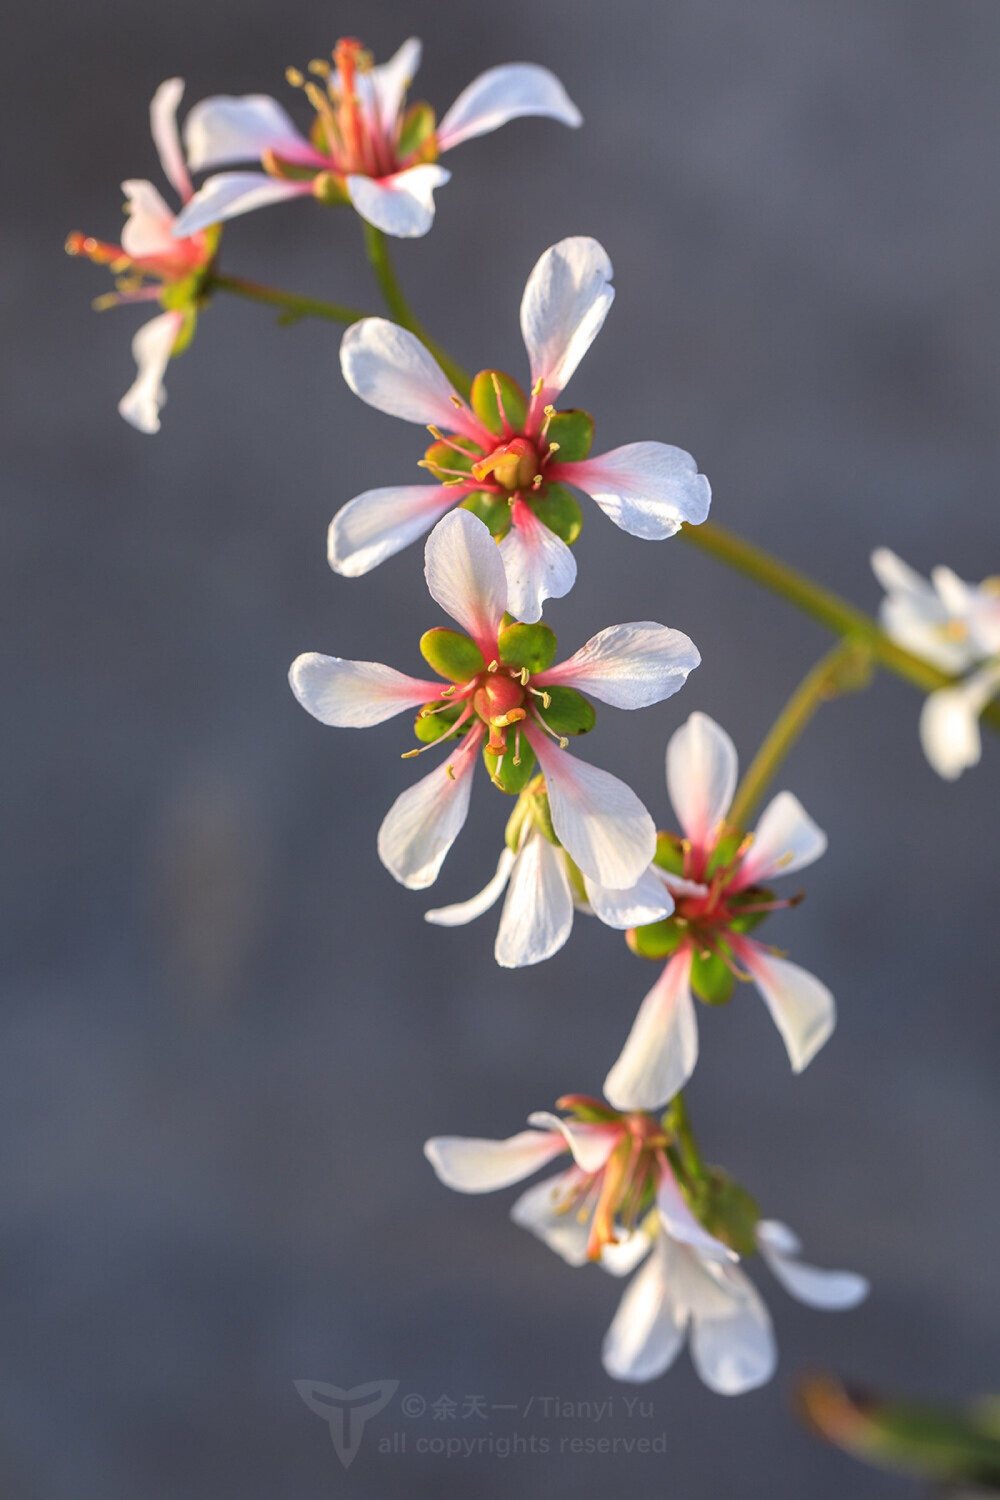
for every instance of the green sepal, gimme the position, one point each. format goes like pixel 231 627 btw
pixel 530 646
pixel 330 188
pixel 493 510
pixel 178 296
pixel 558 509
pixel 657 939
pixel 540 810
pixel 417 134
pixel 726 1210
pixel 483 400
pixel 186 331
pixel 573 431
pixel 511 778
pixel 568 712
pixel 712 979
pixel 669 853
pixel 441 457
pixel 725 851
pixel 587 1111
pixel 431 727
pixel 451 654
pixel 753 895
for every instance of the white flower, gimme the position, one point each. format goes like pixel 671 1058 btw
pixel 955 626
pixel 364 147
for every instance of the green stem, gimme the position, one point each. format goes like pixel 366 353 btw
pixel 377 249
pixel 290 303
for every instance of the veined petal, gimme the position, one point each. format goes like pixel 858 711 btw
pixel 662 1048
pixel 227 128
pixel 701 777
pixel 597 818
pixel 786 839
pixel 401 205
pixel 425 820
pixel 590 1143
pixel 390 369
pixel 479 1166
pixel 565 302
pixel 680 1223
pixel 465 575
pixel 538 912
pixel 646 901
pixel 547 1209
pixel 230 194
pixel 539 565
pixel 648 489
pixel 628 666
pixel 163 123
pixel 949 723
pixel 732 1338
pixel 831 1291
pixel 354 694
pixel 647 1332
pixel 152 347
pixel 505 93
pixel 461 912
pixel 379 523
pixel 801 1007
pixel 148 230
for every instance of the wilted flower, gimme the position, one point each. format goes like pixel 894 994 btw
pixel 153 265
pixel 955 626
pixel 508 456
pixel 707 938
pixel 364 146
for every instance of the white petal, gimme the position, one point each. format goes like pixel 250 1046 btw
pixel 230 194
pixel 465 575
pixel 597 818
pixel 915 616
pixel 390 82
pixel 785 839
pixel 949 723
pixel 401 205
pixel 648 489
pixel 591 1143
pixel 732 1339
pixel 542 1211
pixel 227 129
pixel 662 1048
pixel 148 230
pixel 389 368
pixel 628 666
pixel 647 1332
pixel 539 565
pixel 701 777
pixel 538 912
pixel 354 694
pixel 152 347
pixel 681 1224
pixel 477 1166
pixel 462 912
pixel 646 901
pixel 502 94
pixel 379 523
pixel 565 302
pixel 897 577
pixel 425 820
pixel 801 1007
pixel 832 1291
pixel 622 1257
pixel 163 122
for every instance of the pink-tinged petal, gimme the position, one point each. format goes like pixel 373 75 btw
pixel 650 490
pixel 830 1291
pixel 565 302
pixel 389 368
pixel 646 901
pixel 386 86
pixel 538 912
pixel 469 1165
pixel 354 694
pixel 701 777
pixel 538 563
pixel 801 1007
pixel 148 230
pixel 590 1143
pixel 400 205
pixel 662 1048
pixel 732 1338
pixel 786 839
pixel 425 820
pixel 233 193
pixel 465 575
pixel 163 123
pixel 543 1211
pixel 152 347
pixel 461 912
pixel 505 93
pixel 227 129
pixel 681 1224
pixel 647 1332
pixel 379 523
pixel 597 818
pixel 628 666
pixel 949 723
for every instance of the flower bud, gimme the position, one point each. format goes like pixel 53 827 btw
pixel 451 654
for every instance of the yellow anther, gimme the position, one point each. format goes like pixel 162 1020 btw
pixel 563 742
pixel 295 77
pixel 524 674
pixel 450 771
pixel 435 432
pixel 536 389
pixel 409 754
pixel 455 401
pixel 494 666
pixel 447 692
pixel 320 66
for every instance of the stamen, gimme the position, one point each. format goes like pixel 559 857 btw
pixel 456 401
pixel 499 395
pixel 494 666
pixel 450 772
pixel 536 389
pixel 541 693
pixel 517 745
pixel 560 739
pixel 523 676
pixel 447 692
pixel 295 77
pixel 550 412
pixel 320 66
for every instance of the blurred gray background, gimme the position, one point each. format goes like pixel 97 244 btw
pixel 226 1031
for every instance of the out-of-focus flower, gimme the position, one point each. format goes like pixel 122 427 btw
pixel 620 1201
pixel 707 939
pixel 508 456
pixel 504 696
pixel 153 265
pixel 956 626
pixel 364 146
